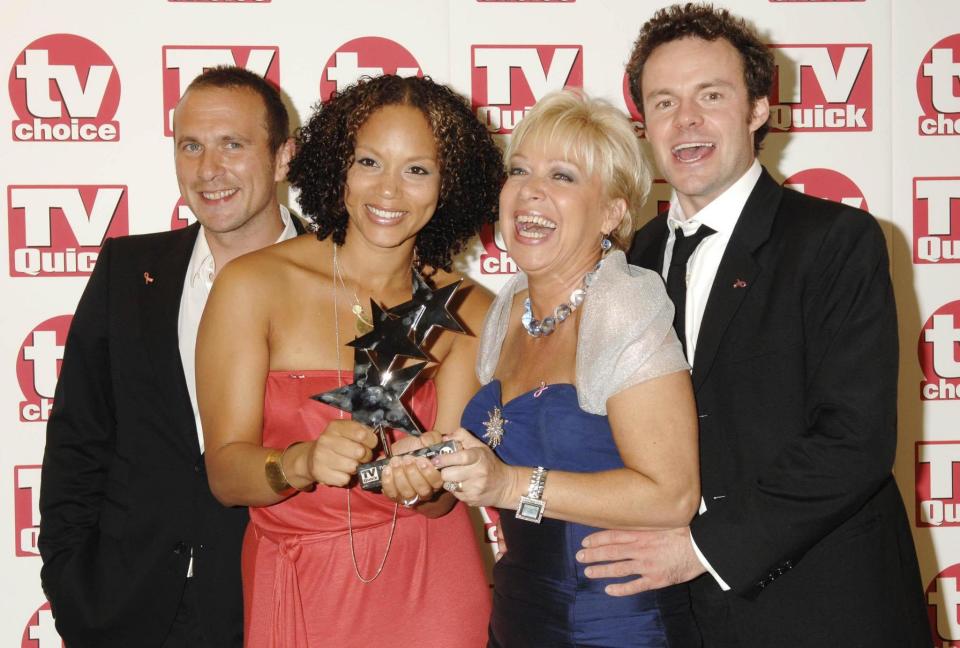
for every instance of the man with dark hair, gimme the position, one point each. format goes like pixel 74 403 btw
pixel 136 551
pixel 785 309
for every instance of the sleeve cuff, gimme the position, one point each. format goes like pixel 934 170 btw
pixel 706 565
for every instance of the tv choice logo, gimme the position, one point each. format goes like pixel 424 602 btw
pixel 182 216
pixel 822 88
pixel 937 474
pixel 936 220
pixel 494 258
pixel 57 231
pixel 41 631
pixel 366 56
pixel 507 80
pixel 943 607
pixel 938 88
pixel 939 354
pixel 829 185
pixel 183 63
pixel 38 367
pixel 26 509
pixel 64 88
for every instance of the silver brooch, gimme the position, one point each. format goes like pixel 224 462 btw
pixel 494 426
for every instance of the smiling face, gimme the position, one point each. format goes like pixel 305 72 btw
pixel 698 117
pixel 552 213
pixel 393 185
pixel 225 168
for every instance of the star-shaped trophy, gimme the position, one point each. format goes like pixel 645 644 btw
pixel 428 309
pixel 374 397
pixel 390 337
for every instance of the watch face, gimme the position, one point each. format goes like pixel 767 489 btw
pixel 530 509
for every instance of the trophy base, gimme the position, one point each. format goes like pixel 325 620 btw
pixel 370 473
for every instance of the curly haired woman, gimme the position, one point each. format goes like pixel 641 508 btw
pixel 395 173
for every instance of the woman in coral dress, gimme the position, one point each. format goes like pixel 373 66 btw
pixel 395 174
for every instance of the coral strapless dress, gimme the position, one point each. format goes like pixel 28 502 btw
pixel 300 586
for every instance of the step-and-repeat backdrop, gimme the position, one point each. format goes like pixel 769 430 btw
pixel 865 110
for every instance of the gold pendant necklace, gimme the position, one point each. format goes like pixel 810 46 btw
pixel 360 320
pixel 364 325
pixel 357 311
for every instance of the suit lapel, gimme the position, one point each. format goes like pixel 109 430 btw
pixel 160 305
pixel 736 274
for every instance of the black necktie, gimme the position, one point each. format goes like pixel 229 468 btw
pixel 683 247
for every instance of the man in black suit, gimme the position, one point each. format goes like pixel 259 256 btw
pixel 785 308
pixel 136 551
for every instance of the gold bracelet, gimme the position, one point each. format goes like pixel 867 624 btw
pixel 273 468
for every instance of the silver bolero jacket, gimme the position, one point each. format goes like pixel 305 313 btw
pixel 626 332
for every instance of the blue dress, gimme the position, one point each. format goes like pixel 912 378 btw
pixel 541 596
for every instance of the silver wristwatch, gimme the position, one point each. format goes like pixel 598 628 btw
pixel 531 505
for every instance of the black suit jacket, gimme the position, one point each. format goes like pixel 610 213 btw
pixel 124 499
pixel 795 377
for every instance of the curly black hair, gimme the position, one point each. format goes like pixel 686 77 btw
pixel 471 165
pixel 699 20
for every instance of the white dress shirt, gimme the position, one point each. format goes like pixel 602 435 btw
pixel 720 215
pixel 196 289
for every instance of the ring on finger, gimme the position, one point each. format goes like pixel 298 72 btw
pixel 408 503
pixel 453 487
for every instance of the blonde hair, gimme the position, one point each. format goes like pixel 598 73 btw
pixel 601 139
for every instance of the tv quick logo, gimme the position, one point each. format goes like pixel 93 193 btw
pixel 507 80
pixel 938 483
pixel 829 185
pixel 943 607
pixel 57 231
pixel 494 258
pixel 938 88
pixel 939 354
pixel 26 509
pixel 365 56
pixel 182 216
pixel 40 631
pixel 64 88
pixel 183 64
pixel 38 367
pixel 936 220
pixel 822 88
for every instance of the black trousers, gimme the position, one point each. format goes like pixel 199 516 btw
pixel 185 631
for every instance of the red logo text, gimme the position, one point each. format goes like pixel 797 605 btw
pixel 938 88
pixel 939 354
pixel 822 88
pixel 38 367
pixel 936 220
pixel 64 88
pixel 57 231
pixel 507 80
pixel 182 64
